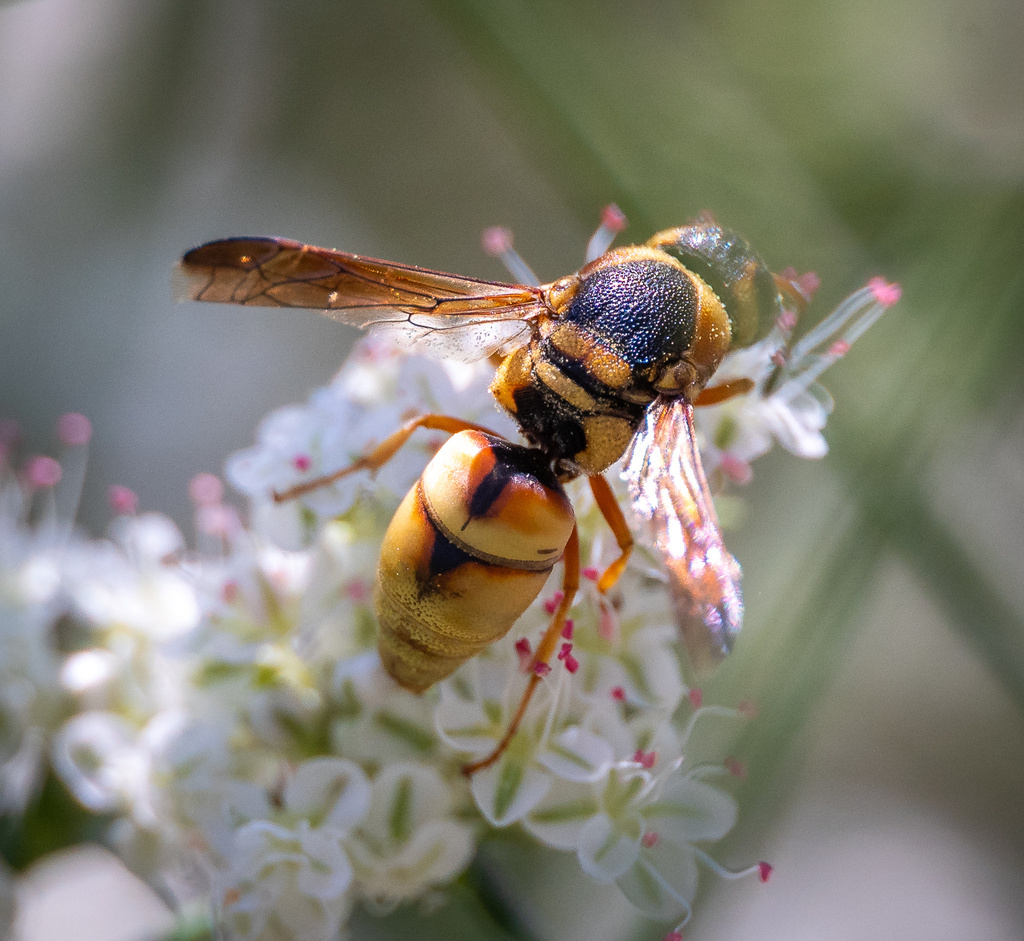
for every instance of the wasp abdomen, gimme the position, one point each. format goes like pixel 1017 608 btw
pixel 466 553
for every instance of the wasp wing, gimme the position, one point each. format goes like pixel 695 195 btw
pixel 669 490
pixel 445 315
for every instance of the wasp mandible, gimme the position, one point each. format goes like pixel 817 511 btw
pixel 603 363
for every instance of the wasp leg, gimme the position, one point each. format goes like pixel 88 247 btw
pixel 612 513
pixel 545 650
pixel 717 394
pixel 374 460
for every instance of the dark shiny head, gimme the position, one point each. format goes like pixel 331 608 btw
pixel 725 260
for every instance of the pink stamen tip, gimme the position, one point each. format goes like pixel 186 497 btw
pixel 541 668
pixel 696 696
pixel 736 469
pixel 571 663
pixel 613 218
pixel 764 870
pixel 568 629
pixel 302 462
pixel 122 500
pixel 496 240
pixel 564 651
pixel 674 936
pixel 786 320
pixel 206 490
pixel 216 519
pixel 525 655
pixel 358 590
pixel 735 767
pixel 649 839
pixel 778 359
pixel 618 694
pixel 73 430
pixel 590 573
pixel 42 472
pixel 747 708
pixel 886 293
pixel 551 605
pixel 606 623
pixel 229 591
pixel 839 348
pixel 808 284
pixel 646 760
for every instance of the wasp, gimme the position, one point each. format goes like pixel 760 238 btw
pixel 602 364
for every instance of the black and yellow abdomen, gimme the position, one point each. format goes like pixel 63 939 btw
pixel 466 553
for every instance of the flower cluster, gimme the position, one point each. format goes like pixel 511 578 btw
pixel 224 705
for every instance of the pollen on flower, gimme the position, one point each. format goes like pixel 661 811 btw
pixel 552 603
pixel 590 573
pixel 839 348
pixel 73 429
pixel 122 500
pixel 302 462
pixel 41 472
pixel 618 694
pixel 765 870
pixel 565 655
pixel 541 668
pixel 206 489
pixel 525 654
pixel 696 697
pixel 650 839
pixel 568 628
pixel 886 293
pixel 646 760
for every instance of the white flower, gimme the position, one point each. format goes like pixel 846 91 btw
pixel 786 403
pixel 290 878
pixel 410 839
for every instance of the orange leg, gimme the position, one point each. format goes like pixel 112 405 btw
pixel 545 650
pixel 612 513
pixel 374 460
pixel 717 394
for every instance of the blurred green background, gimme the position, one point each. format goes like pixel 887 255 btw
pixel 885 584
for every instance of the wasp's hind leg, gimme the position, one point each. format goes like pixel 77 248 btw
pixel 376 458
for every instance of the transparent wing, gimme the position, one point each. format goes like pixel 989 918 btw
pixel 668 489
pixel 444 315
